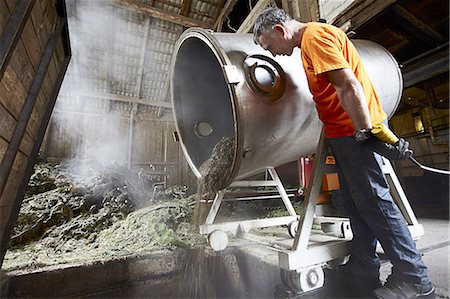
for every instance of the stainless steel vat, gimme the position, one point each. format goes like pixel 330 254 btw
pixel 223 85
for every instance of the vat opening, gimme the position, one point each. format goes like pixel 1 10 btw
pixel 201 99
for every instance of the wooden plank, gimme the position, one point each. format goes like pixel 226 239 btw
pixel 160 13
pixel 5 213
pixel 11 187
pixel 4 15
pixel 20 162
pixel 172 146
pixel 185 7
pixel 114 97
pixel 31 43
pixel 56 132
pixel 12 4
pixel 7 124
pixel 42 99
pixel 52 71
pixel 61 53
pixel 50 14
pixel 46 89
pixel 305 11
pixel 22 65
pixel 218 8
pixel 33 123
pixel 39 25
pixel 228 7
pixel 3 147
pixel 151 133
pixel 249 21
pixel 286 5
pixel 11 33
pixel 26 144
pixel 12 91
pixel 351 11
pixel 360 11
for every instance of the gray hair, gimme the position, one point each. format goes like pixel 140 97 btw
pixel 267 19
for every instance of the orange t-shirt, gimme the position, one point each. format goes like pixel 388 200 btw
pixel 325 48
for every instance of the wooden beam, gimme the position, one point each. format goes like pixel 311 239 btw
pixel 160 13
pixel 142 56
pixel 120 98
pixel 185 7
pixel 360 11
pixel 249 21
pixel 414 25
pixel 305 10
pixel 426 66
pixel 227 8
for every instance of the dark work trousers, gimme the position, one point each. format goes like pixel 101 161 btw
pixel 374 215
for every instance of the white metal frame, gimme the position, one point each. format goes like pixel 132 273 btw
pixel 243 226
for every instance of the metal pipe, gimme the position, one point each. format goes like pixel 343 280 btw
pixel 223 85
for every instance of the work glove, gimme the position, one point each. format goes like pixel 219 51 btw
pixel 398 151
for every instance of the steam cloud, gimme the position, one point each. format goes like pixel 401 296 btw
pixel 94 129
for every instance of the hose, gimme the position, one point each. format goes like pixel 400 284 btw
pixel 383 133
pixel 427 168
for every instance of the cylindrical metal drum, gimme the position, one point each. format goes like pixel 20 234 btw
pixel 224 85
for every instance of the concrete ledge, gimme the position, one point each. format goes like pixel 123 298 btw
pixel 100 279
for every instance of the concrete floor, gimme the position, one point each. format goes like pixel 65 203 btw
pixel 435 246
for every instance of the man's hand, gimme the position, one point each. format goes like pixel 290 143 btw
pixel 398 151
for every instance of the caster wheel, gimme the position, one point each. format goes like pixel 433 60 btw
pixel 218 240
pixel 292 228
pixel 303 280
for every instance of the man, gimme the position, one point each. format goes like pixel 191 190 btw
pixel 347 104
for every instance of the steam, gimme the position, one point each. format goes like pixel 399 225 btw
pixel 108 46
pixel 102 57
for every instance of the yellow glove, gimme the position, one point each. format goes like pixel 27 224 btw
pixel 383 133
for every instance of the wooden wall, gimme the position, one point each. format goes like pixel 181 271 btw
pixel 90 129
pixel 34 53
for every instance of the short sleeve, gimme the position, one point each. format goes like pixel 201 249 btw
pixel 325 53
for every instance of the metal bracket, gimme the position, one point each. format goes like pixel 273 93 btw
pixel 232 74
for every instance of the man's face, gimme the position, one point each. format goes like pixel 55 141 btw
pixel 276 41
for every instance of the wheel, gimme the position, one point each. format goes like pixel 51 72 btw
pixel 303 280
pixel 292 228
pixel 218 240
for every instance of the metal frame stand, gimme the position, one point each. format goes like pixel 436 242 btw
pixel 240 228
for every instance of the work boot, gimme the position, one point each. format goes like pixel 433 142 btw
pixel 404 290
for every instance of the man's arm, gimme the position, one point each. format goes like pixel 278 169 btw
pixel 351 95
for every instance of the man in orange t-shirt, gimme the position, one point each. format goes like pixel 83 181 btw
pixel 349 107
